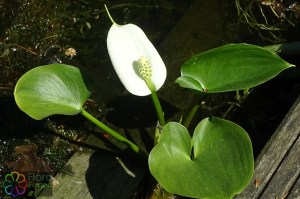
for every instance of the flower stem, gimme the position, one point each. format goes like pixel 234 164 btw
pixel 156 102
pixel 190 116
pixel 111 19
pixel 110 131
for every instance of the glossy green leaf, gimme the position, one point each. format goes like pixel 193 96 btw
pixel 230 67
pixel 51 89
pixel 217 163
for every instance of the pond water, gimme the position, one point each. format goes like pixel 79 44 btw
pixel 35 32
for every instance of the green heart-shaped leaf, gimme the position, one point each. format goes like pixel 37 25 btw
pixel 51 89
pixel 221 165
pixel 230 67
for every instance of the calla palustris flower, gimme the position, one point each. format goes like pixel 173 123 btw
pixel 127 45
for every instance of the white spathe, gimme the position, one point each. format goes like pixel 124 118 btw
pixel 126 44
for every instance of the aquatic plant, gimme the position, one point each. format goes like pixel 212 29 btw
pixel 217 160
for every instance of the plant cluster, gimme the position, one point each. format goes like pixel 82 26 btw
pixel 213 162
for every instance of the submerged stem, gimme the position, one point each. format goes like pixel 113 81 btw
pixel 108 130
